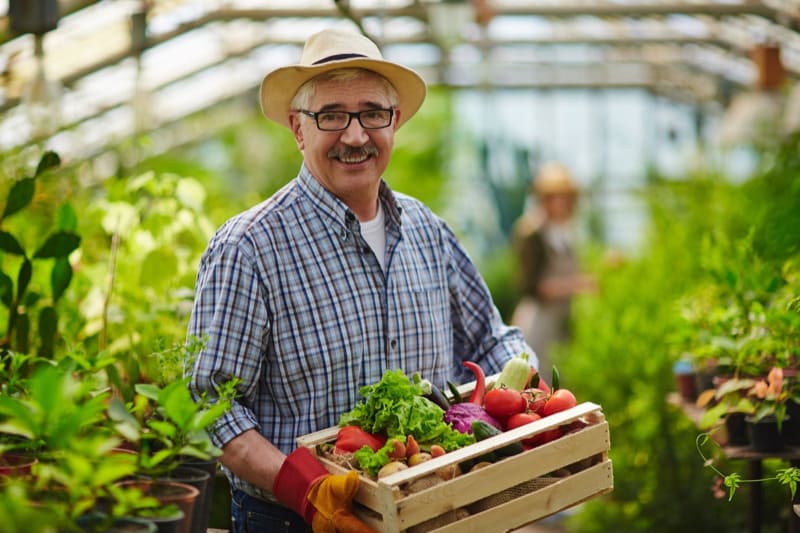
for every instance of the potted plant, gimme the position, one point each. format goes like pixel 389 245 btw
pixel 166 426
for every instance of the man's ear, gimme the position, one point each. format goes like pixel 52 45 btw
pixel 294 124
pixel 397 115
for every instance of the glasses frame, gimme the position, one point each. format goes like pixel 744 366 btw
pixel 350 115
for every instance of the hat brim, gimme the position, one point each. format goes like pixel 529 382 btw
pixel 279 86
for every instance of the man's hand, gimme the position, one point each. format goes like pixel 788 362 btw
pixel 322 499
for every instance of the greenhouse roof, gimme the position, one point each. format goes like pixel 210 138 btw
pixel 111 68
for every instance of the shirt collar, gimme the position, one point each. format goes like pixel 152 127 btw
pixel 331 206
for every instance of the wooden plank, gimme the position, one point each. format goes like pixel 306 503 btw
pixel 510 472
pixel 560 495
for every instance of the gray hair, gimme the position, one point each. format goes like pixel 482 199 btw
pixel 306 91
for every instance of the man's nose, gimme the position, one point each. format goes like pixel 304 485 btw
pixel 355 134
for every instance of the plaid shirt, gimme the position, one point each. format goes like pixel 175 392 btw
pixel 293 302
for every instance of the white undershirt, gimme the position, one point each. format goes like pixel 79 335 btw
pixel 374 232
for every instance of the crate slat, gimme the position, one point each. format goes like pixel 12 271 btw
pixel 564 493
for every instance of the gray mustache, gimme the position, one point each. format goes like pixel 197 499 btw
pixel 347 152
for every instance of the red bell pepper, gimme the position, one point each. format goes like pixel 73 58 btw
pixel 353 438
pixel 480 383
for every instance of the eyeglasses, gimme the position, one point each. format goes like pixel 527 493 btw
pixel 370 119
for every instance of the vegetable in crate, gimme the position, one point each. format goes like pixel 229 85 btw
pixel 516 373
pixel 395 407
pixel 462 415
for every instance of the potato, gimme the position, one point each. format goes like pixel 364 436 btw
pixel 448 472
pixel 417 458
pixel 478 466
pixel 390 468
pixel 426 482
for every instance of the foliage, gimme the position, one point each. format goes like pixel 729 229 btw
pixel 790 477
pixel 707 260
pixel 23 291
pixel 166 425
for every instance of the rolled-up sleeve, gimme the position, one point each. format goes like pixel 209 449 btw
pixel 230 317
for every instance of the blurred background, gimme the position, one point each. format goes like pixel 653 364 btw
pixel 677 119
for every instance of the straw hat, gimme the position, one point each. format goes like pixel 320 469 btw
pixel 554 178
pixel 333 49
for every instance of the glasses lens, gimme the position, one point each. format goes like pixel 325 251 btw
pixel 375 118
pixel 332 120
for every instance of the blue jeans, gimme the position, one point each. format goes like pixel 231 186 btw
pixel 254 515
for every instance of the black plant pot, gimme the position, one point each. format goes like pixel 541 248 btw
pixel 791 424
pixel 764 434
pixel 737 429
pixel 204 502
pixel 201 480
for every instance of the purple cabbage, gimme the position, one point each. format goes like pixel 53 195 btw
pixel 461 415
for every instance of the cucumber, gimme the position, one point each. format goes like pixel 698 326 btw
pixel 483 431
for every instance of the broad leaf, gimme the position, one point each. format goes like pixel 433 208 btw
pixel 22 334
pixel 19 196
pixel 48 326
pixel 24 278
pixel 6 290
pixel 60 277
pixel 59 244
pixel 66 218
pixel 9 244
pixel 49 160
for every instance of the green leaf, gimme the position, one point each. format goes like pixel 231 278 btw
pixel 23 332
pixel 24 278
pixel 58 244
pixel 163 428
pixel 48 326
pixel 60 277
pixel 124 421
pixel 712 415
pixel 49 160
pixel 6 290
pixel 66 218
pixel 19 196
pixel 148 390
pixel 9 244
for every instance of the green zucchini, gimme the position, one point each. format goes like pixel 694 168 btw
pixel 515 374
pixel 482 431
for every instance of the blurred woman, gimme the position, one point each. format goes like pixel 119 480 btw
pixel 549 274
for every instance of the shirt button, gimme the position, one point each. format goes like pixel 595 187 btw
pixel 343 235
pixel 365 250
pixel 393 344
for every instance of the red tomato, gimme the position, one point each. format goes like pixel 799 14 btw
pixel 547 436
pixel 520 419
pixel 504 402
pixel 560 400
pixel 536 399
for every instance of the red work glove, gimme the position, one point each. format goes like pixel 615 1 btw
pixel 322 499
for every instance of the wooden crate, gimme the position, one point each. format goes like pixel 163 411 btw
pixel 510 493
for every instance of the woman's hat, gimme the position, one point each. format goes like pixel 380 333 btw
pixel 334 49
pixel 553 178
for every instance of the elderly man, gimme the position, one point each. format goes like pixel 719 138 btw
pixel 323 287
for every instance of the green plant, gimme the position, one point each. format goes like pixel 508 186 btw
pixel 789 477
pixel 166 425
pixel 57 415
pixel 22 292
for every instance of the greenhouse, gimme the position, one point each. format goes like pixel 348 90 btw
pixel 400 265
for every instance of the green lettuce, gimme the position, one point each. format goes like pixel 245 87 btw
pixel 396 407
